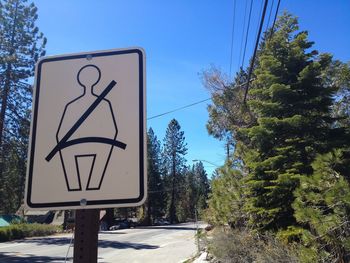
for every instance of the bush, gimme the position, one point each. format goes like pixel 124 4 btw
pixel 18 231
pixel 238 246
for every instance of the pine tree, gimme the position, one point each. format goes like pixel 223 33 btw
pixel 194 190
pixel 174 151
pixel 154 205
pixel 292 106
pixel 297 108
pixel 202 186
pixel 322 208
pixel 186 201
pixel 338 74
pixel 21 44
pixel 226 199
pixel 187 205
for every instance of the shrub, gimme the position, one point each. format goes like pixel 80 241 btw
pixel 236 246
pixel 18 231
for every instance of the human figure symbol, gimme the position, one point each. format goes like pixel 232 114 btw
pixel 87 134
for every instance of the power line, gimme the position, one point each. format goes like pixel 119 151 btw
pixel 192 104
pixel 247 34
pixel 268 20
pixel 245 15
pixel 201 160
pixel 274 20
pixel 261 6
pixel 252 62
pixel 177 109
pixel 232 35
pixel 255 49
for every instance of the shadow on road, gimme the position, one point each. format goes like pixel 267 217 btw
pixel 64 241
pixel 124 245
pixel 29 259
pixel 58 241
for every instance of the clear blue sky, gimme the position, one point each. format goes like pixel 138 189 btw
pixel 181 38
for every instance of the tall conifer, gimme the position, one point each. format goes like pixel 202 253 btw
pixel 322 209
pixel 154 206
pixel 21 44
pixel 292 106
pixel 175 148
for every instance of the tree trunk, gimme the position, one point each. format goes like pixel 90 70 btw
pixel 109 217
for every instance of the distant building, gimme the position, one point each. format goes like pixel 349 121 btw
pixel 36 216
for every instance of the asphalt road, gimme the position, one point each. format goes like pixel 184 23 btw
pixel 173 243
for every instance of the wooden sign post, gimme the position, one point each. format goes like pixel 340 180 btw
pixel 86 235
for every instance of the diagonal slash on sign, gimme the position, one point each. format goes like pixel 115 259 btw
pixel 63 143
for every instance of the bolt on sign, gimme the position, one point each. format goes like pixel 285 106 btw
pixel 87 141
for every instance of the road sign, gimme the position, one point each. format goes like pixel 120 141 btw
pixel 87 143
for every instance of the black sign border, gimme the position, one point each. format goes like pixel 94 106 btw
pixel 104 203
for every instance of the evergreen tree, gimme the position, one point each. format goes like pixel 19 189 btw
pixel 174 151
pixel 292 106
pixel 338 74
pixel 194 192
pixel 21 44
pixel 322 207
pixel 154 205
pixel 186 201
pixel 202 187
pixel 297 107
pixel 226 199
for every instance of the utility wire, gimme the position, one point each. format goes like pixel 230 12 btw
pixel 192 104
pixel 252 61
pixel 245 15
pixel 255 49
pixel 177 109
pixel 274 20
pixel 247 33
pixel 261 6
pixel 268 20
pixel 232 35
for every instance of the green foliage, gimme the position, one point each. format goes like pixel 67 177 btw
pixel 297 108
pixel 174 189
pixel 21 44
pixel 154 205
pixel 200 187
pixel 22 230
pixel 194 193
pixel 322 205
pixel 174 151
pixel 292 108
pixel 226 199
pixel 338 75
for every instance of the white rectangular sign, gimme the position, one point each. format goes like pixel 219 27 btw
pixel 88 131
